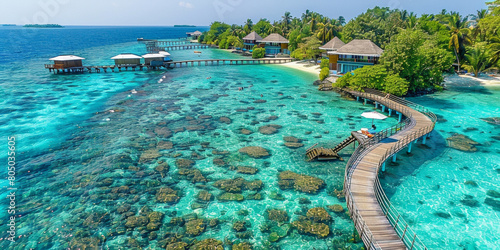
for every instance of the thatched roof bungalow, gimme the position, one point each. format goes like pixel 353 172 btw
pixel 250 40
pixel 194 35
pixel 275 44
pixel 356 54
pixel 332 45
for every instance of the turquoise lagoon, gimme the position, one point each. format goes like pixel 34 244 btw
pixel 441 191
pixel 81 175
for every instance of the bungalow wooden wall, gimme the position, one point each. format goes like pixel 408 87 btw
pixel 128 61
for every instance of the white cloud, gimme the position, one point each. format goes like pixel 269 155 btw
pixel 186 4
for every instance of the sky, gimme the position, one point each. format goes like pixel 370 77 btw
pixel 203 12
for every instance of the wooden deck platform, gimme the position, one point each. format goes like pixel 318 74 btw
pixel 378 223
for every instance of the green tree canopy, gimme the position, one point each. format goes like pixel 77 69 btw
pixel 396 85
pixel 262 27
pixel 216 29
pixel 377 24
pixel 369 77
pixel 415 56
pixel 308 49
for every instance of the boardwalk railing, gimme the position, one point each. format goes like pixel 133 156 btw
pixel 406 234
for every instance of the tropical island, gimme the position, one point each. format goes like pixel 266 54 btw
pixel 417 50
pixel 43 26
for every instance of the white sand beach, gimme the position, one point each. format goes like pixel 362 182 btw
pixel 303 66
pixel 467 80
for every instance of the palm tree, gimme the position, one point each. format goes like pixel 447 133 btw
pixel 459 35
pixel 411 21
pixel 248 26
pixel 480 14
pixel 341 21
pixel 494 46
pixel 404 15
pixel 478 59
pixel 306 16
pixel 237 32
pixel 314 21
pixel 287 18
pixel 325 32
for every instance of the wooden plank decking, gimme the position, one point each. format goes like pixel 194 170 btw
pixel 366 200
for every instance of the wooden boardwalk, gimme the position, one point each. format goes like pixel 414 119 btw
pixel 377 222
pixel 155 48
pixel 165 65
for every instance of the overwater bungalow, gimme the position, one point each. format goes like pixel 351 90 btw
pixel 251 40
pixel 65 62
pixel 167 56
pixel 153 59
pixel 194 35
pixel 356 54
pixel 332 46
pixel 127 59
pixel 275 44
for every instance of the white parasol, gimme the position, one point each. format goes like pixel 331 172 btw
pixel 373 115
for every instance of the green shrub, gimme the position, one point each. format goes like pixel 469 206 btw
pixel 325 63
pixel 344 81
pixel 438 87
pixel 325 72
pixel 396 85
pixel 258 52
pixel 222 44
pixel 369 77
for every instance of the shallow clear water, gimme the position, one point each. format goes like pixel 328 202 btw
pixel 429 188
pixel 75 154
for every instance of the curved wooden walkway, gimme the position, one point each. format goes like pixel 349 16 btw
pixel 377 222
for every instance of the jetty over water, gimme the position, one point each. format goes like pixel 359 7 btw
pixel 378 223
pixel 164 65
pixel 153 49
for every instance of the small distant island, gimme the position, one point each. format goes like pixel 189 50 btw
pixel 183 26
pixel 8 24
pixel 43 26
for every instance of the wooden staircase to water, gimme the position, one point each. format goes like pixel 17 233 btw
pixel 324 154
